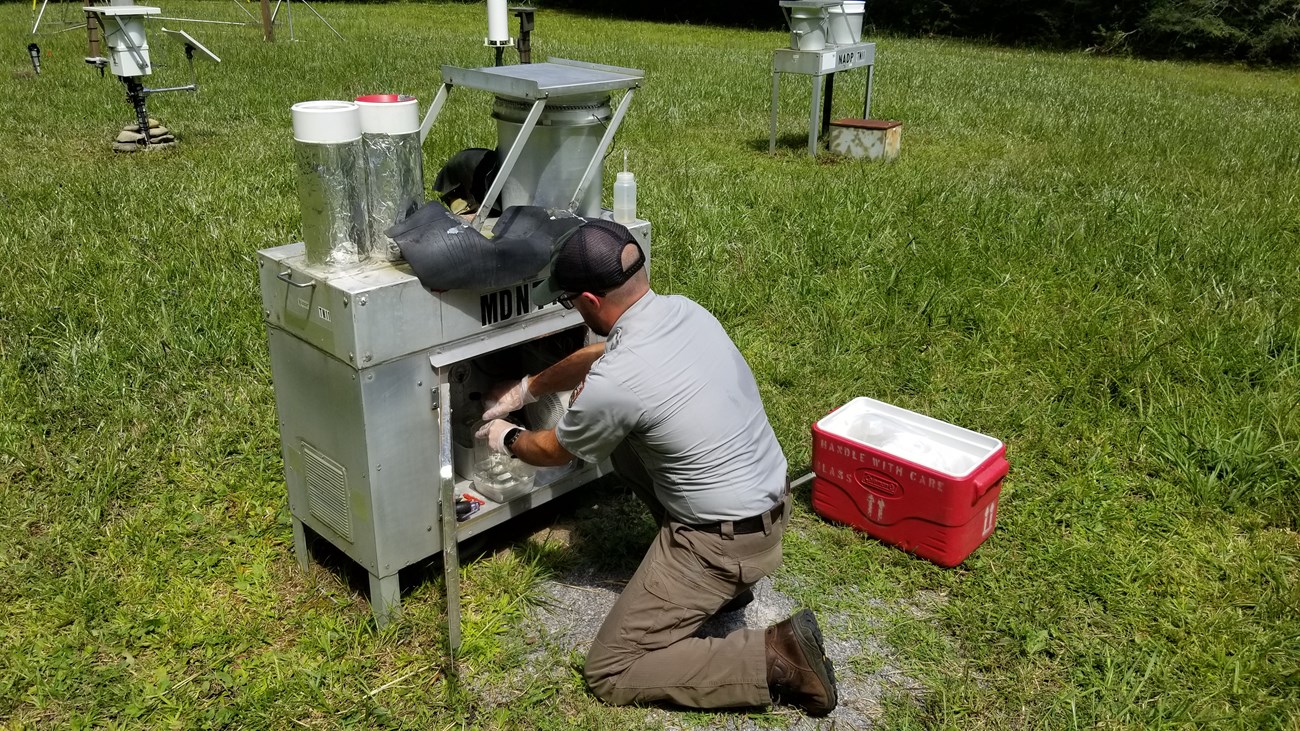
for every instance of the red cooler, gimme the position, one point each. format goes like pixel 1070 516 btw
pixel 918 483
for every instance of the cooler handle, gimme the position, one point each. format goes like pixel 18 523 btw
pixel 992 473
pixel 286 276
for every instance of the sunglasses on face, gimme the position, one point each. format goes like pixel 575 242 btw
pixel 566 300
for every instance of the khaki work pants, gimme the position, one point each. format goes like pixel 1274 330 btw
pixel 646 650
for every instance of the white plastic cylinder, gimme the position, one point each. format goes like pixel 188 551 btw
pixel 326 122
pixel 388 114
pixel 498 32
pixel 808 28
pixel 845 24
pixel 624 197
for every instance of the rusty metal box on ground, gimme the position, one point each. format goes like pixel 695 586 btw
pixel 924 485
pixel 871 139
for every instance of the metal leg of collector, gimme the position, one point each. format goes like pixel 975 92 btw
pixel 828 103
pixel 776 99
pixel 813 113
pixel 866 104
pixel 385 598
pixel 300 544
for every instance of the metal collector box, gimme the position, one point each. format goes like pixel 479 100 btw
pixel 358 359
pixel 924 485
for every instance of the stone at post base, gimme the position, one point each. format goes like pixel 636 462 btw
pixel 130 139
pixel 135 126
pixel 870 139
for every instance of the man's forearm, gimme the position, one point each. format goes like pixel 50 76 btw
pixel 568 373
pixel 540 449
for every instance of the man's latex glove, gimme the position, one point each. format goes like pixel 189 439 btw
pixel 495 433
pixel 508 398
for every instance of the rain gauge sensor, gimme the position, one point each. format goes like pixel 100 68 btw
pixel 122 26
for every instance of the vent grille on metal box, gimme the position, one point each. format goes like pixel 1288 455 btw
pixel 327 490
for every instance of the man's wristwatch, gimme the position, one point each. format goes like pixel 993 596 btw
pixel 508 441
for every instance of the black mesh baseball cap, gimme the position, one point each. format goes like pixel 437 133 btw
pixel 589 260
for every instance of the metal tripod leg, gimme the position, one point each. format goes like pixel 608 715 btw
pixel 288 8
pixel 250 15
pixel 39 15
pixel 322 19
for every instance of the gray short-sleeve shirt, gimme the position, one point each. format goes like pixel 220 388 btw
pixel 675 387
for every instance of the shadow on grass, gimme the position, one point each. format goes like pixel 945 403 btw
pixel 795 147
pixel 785 144
pixel 603 525
pixel 602 528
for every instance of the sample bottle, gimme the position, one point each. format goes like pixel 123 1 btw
pixel 624 195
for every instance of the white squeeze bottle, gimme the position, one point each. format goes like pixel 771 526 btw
pixel 624 195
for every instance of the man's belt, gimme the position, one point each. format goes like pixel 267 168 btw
pixel 746 525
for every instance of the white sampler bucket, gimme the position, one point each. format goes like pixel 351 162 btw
pixel 845 24
pixel 808 28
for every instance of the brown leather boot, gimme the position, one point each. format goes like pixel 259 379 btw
pixel 798 671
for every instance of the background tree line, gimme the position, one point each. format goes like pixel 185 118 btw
pixel 1256 31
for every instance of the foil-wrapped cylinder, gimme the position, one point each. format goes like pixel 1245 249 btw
pixel 331 183
pixel 390 135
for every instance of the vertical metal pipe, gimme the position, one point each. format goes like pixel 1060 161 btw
pixel 525 44
pixel 813 126
pixel 776 98
pixel 447 511
pixel 866 105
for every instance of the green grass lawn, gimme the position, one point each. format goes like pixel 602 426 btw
pixel 1095 260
